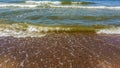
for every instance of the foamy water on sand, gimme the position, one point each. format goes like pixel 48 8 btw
pixel 61 50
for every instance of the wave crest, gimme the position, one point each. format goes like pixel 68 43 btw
pixel 112 30
pixel 30 30
pixel 55 4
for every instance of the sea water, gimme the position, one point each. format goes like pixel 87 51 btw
pixel 33 17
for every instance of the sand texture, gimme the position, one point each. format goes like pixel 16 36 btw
pixel 63 50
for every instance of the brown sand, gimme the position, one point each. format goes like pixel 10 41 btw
pixel 64 50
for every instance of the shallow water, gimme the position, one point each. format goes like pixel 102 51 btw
pixel 55 13
pixel 67 50
pixel 76 34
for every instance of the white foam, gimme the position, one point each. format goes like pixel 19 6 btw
pixel 113 30
pixel 46 29
pixel 58 4
pixel 43 2
pixel 54 4
pixel 18 5
pixel 49 2
pixel 19 34
pixel 32 29
pixel 27 30
pixel 17 31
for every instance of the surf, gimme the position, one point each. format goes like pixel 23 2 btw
pixel 56 4
pixel 108 31
pixel 37 30
pixel 17 5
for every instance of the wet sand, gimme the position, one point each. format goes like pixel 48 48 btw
pixel 63 50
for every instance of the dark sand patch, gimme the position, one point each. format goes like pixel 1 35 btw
pixel 64 50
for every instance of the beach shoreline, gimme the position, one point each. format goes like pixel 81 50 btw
pixel 61 50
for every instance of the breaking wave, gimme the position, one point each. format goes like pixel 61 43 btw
pixel 33 30
pixel 18 5
pixel 56 4
pixel 37 30
pixel 112 30
pixel 19 30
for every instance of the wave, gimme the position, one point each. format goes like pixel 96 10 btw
pixel 19 30
pixel 55 4
pixel 18 5
pixel 44 28
pixel 32 30
pixel 33 4
pixel 112 30
pixel 43 2
pixel 37 30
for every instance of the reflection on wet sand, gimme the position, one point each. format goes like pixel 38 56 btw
pixel 64 50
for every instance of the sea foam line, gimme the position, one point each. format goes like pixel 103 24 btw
pixel 58 6
pixel 19 31
pixel 18 5
pixel 19 34
pixel 56 2
pixel 43 2
pixel 113 30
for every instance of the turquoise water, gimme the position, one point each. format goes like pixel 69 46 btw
pixel 95 12
pixel 60 13
pixel 59 16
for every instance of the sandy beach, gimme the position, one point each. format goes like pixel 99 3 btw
pixel 59 34
pixel 63 50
